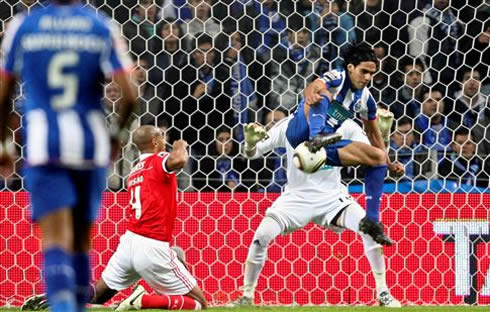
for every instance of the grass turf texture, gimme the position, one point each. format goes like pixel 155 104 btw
pixel 321 309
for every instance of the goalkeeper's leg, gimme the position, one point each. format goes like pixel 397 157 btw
pixel 268 229
pixel 350 218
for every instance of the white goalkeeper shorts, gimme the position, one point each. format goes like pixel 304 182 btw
pixel 294 210
pixel 139 257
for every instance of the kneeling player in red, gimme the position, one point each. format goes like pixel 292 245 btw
pixel 144 251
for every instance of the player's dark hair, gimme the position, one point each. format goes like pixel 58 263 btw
pixel 358 53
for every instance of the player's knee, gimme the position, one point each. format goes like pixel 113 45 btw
pixel 268 229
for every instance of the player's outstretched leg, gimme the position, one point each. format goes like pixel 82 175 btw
pixel 257 254
pixel 321 140
pixel 350 218
pixel 375 230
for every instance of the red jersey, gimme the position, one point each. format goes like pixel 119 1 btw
pixel 153 191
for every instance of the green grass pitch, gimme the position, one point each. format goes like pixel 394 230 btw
pixel 322 309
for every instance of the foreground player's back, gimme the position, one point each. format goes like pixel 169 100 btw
pixel 63 50
pixel 63 54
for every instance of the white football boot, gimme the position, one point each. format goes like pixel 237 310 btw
pixel 133 302
pixel 387 300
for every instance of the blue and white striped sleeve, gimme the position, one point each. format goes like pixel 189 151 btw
pixel 10 62
pixel 333 78
pixel 371 107
pixel 115 58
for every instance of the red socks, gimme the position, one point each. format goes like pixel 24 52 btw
pixel 169 302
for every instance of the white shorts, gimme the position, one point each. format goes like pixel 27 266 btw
pixel 152 260
pixel 294 210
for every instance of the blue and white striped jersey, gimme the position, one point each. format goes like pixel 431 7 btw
pixel 346 101
pixel 63 55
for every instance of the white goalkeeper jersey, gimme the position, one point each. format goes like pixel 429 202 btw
pixel 325 180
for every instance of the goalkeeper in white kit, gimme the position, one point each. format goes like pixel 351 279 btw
pixel 319 197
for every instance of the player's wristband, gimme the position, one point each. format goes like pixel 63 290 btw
pixel 249 151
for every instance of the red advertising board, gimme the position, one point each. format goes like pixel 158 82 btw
pixel 427 265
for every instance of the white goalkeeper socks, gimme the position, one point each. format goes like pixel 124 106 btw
pixel 374 253
pixel 252 272
pixel 257 254
pixel 350 218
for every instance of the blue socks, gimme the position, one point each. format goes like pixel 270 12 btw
pixel 375 178
pixel 317 116
pixel 60 280
pixel 81 265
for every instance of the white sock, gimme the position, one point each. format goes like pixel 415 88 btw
pixel 350 218
pixel 375 255
pixel 252 272
pixel 257 254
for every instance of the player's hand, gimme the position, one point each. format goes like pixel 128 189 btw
pixel 115 148
pixel 253 134
pixel 314 94
pixel 180 144
pixel 396 169
pixel 385 122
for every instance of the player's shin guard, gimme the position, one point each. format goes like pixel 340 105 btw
pixel 169 302
pixel 60 280
pixel 375 177
pixel 317 117
pixel 81 266
pixel 268 229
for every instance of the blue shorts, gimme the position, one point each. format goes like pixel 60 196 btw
pixel 53 187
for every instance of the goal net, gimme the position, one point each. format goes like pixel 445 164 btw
pixel 205 68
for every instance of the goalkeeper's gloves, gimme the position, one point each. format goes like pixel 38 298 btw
pixel 253 134
pixel 385 121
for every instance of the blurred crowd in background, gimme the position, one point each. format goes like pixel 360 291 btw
pixel 203 68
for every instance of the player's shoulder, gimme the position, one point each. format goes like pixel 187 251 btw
pixel 367 96
pixel 334 74
pixel 162 154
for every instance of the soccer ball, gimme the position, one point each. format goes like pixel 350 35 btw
pixel 306 161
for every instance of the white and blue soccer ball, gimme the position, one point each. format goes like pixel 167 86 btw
pixel 307 161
